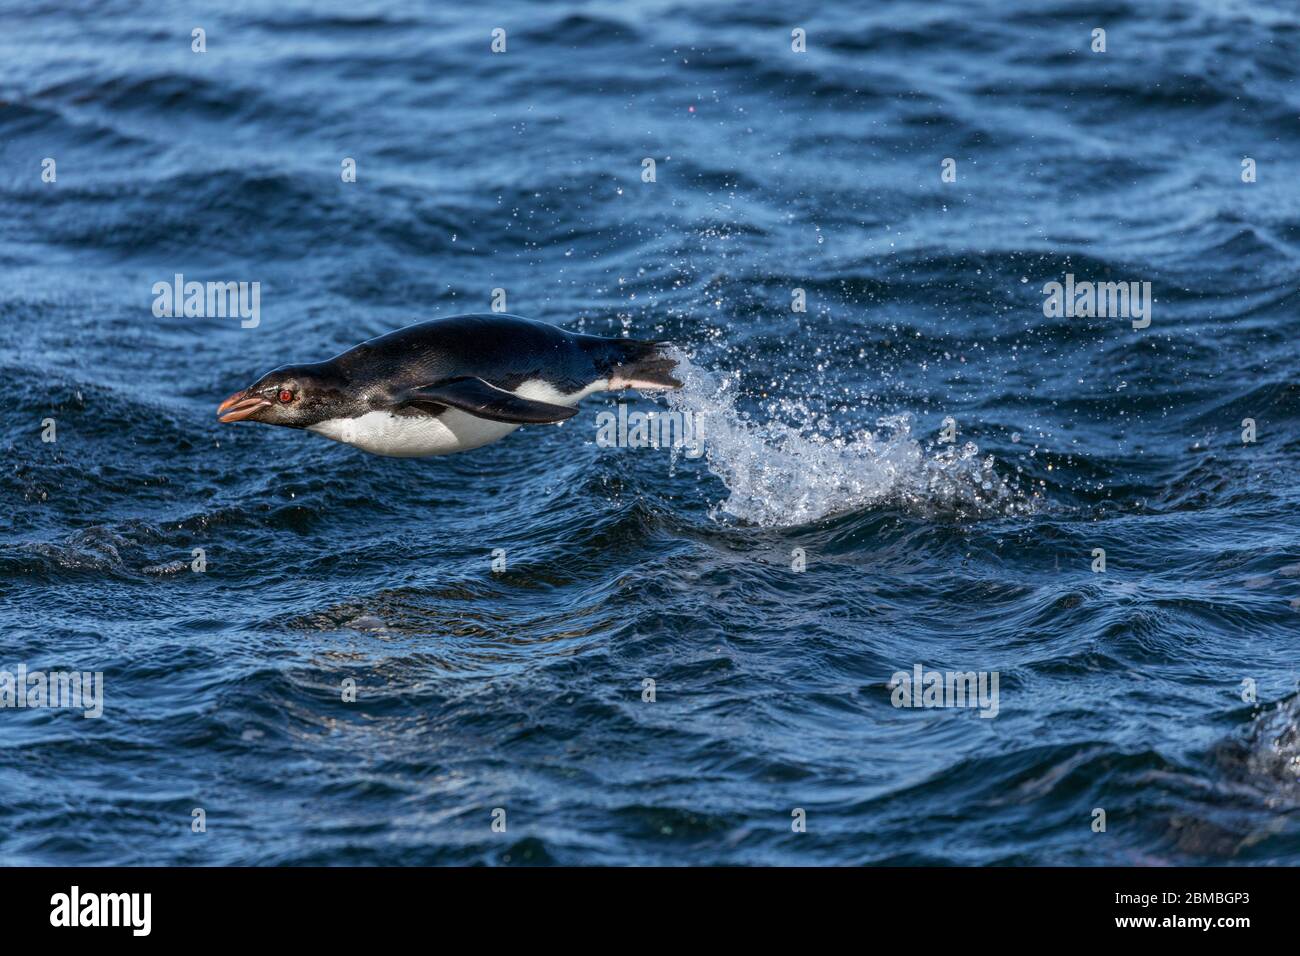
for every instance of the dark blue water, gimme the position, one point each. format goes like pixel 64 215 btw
pixel 523 690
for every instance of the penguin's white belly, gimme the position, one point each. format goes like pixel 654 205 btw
pixel 423 436
pixel 414 436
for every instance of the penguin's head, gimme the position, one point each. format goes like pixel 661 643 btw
pixel 295 396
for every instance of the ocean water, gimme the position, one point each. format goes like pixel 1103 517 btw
pixel 919 469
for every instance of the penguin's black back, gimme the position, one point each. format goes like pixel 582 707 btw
pixel 503 350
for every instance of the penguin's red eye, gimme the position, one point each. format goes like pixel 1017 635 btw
pixel 286 396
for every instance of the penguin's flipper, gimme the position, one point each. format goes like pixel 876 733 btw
pixel 477 397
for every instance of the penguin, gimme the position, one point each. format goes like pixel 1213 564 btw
pixel 450 384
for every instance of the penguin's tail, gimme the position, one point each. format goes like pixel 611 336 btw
pixel 639 364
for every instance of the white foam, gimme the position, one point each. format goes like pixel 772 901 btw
pixel 780 475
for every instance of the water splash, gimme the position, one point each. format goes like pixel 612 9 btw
pixel 782 475
pixel 1274 743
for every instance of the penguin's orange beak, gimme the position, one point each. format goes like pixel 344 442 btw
pixel 240 406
